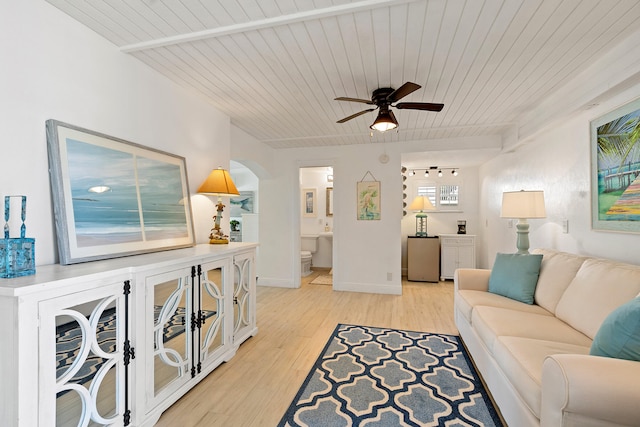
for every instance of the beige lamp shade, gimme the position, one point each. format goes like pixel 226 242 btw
pixel 421 203
pixel 219 183
pixel 523 204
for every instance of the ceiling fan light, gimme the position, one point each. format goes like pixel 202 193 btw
pixel 385 121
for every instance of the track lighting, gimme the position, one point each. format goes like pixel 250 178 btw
pixel 427 171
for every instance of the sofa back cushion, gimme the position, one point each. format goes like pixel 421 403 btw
pixel 556 273
pixel 600 286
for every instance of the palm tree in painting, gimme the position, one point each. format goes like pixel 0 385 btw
pixel 618 146
pixel 618 139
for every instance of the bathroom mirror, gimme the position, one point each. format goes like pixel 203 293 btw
pixel 329 201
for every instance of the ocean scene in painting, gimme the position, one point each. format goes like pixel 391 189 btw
pixel 619 169
pixel 106 206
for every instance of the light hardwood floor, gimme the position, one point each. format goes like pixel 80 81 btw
pixel 257 385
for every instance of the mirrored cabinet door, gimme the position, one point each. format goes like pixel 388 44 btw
pixel 241 293
pixel 83 375
pixel 244 297
pixel 168 319
pixel 212 292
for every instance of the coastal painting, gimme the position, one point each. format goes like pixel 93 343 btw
pixel 615 188
pixel 242 204
pixel 368 200
pixel 114 198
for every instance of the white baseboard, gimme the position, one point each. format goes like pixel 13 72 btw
pixel 275 283
pixel 369 288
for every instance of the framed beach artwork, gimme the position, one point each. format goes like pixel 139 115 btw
pixel 242 204
pixel 114 198
pixel 309 203
pixel 615 170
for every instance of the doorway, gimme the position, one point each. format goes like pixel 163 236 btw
pixel 316 223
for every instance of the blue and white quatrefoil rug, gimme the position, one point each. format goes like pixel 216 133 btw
pixel 384 377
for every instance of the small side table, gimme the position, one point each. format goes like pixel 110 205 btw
pixel 423 258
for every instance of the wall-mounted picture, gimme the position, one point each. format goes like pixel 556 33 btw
pixel 114 198
pixel 329 201
pixel 368 200
pixel 309 203
pixel 242 204
pixel 615 170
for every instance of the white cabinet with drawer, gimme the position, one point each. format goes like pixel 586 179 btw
pixel 457 251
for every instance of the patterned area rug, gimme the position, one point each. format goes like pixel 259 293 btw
pixel 323 279
pixel 384 377
pixel 69 339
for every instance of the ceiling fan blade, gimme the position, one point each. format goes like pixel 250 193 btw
pixel 419 106
pixel 364 101
pixel 402 91
pixel 353 116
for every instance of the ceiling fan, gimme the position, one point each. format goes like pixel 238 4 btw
pixel 383 98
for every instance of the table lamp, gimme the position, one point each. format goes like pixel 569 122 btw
pixel 523 205
pixel 421 204
pixel 218 183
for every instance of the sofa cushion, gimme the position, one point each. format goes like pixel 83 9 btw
pixel 493 322
pixel 600 286
pixel 556 273
pixel 466 300
pixel 619 335
pixel 515 276
pixel 521 361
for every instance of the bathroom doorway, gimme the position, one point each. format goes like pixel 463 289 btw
pixel 316 223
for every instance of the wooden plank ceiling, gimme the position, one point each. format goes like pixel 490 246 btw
pixel 275 66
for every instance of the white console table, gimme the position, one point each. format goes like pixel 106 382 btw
pixel 117 342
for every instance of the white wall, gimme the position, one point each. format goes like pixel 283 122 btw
pixel 558 162
pixel 365 253
pixel 55 68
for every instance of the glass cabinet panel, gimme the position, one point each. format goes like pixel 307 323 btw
pixel 212 310
pixel 241 293
pixel 171 331
pixel 81 350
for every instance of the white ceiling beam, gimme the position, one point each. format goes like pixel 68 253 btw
pixel 263 23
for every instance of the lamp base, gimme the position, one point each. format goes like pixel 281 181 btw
pixel 218 241
pixel 522 243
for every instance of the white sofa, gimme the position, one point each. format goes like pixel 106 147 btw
pixel 535 358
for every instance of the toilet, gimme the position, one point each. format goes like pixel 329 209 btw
pixel 308 246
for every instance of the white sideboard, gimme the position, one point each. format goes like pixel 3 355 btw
pixel 457 251
pixel 117 342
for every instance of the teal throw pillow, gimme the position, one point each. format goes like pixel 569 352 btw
pixel 619 334
pixel 515 276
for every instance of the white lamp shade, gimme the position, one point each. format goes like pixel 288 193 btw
pixel 523 204
pixel 219 183
pixel 421 203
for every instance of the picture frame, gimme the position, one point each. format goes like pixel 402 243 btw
pixel 615 170
pixel 242 204
pixel 368 200
pixel 329 201
pixel 309 203
pixel 114 198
